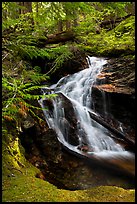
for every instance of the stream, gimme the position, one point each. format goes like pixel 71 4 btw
pixel 78 132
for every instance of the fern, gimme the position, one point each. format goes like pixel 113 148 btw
pixel 63 57
pixel 38 78
pixel 19 82
pixel 61 54
pixel 19 98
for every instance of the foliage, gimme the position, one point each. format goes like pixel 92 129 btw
pixel 19 78
pixel 116 9
pixel 52 12
pixel 20 92
pixel 22 30
pixel 114 42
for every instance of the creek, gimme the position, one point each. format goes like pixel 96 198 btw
pixel 69 115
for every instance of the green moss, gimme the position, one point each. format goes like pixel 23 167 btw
pixel 120 40
pixel 19 183
pixel 12 157
pixel 27 188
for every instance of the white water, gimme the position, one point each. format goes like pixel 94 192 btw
pixel 78 89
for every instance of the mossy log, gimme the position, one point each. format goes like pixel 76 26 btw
pixel 56 38
pixel 113 22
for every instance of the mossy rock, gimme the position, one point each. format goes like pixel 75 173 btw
pixel 19 183
pixel 27 188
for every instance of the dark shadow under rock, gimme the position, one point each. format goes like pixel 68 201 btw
pixel 65 169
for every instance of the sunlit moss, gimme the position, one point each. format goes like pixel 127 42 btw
pixel 25 188
pixel 21 185
pixel 120 40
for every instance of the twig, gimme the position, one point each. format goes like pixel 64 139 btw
pixel 11 101
pixel 50 70
pixel 16 169
pixel 5 56
pixel 12 97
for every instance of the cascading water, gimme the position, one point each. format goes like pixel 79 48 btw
pixel 77 88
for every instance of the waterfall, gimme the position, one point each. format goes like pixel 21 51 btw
pixel 77 89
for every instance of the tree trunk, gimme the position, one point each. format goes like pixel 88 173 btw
pixel 75 21
pixel 130 8
pixel 68 24
pixel 37 8
pixel 20 10
pixel 28 7
pixel 37 12
pixel 60 26
pixel 5 14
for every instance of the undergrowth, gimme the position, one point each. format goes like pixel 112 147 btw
pixel 21 86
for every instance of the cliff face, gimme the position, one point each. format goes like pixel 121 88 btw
pixel 114 93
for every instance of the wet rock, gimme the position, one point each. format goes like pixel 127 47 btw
pixel 49 146
pixel 48 103
pixel 62 168
pixel 84 148
pixel 70 120
pixel 120 76
pixel 114 94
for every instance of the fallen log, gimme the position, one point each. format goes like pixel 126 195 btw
pixel 113 22
pixel 119 134
pixel 56 38
pixel 98 119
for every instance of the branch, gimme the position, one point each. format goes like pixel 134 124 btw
pixel 11 101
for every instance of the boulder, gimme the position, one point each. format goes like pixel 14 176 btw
pixel 68 124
